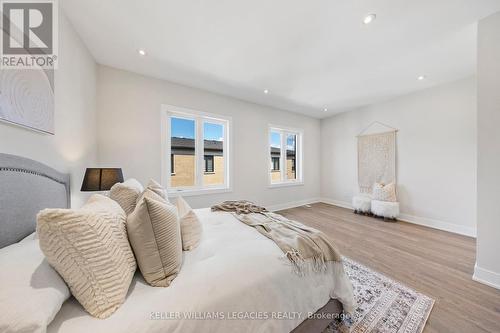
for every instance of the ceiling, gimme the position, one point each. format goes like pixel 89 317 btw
pixel 309 54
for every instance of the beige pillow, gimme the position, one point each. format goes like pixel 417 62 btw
pixel 383 192
pixel 126 194
pixel 154 233
pixel 190 225
pixel 158 189
pixel 88 247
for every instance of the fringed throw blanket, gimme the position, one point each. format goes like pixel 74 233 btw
pixel 239 207
pixel 306 248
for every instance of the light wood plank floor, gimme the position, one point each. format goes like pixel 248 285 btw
pixel 434 262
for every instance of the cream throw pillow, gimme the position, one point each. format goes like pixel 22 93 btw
pixel 158 189
pixel 383 192
pixel 88 247
pixel 190 225
pixel 126 194
pixel 154 233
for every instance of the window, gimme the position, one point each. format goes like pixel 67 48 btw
pixel 209 164
pixel 275 166
pixel 196 146
pixel 285 149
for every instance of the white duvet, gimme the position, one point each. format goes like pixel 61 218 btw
pixel 235 281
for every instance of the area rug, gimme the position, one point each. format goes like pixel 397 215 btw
pixel 384 305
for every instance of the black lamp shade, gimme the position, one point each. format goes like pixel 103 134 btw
pixel 101 179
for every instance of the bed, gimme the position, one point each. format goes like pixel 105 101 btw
pixel 236 280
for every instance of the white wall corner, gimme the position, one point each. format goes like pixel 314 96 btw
pixel 486 277
pixel 293 204
pixel 427 222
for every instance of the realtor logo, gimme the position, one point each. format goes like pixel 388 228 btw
pixel 29 34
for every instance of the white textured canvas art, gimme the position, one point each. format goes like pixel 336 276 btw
pixel 27 98
pixel 376 160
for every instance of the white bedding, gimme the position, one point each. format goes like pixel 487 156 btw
pixel 234 272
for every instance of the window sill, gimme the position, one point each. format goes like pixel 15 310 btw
pixel 194 192
pixel 285 184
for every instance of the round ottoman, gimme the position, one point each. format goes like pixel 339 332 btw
pixel 361 204
pixel 385 209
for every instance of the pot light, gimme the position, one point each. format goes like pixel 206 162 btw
pixel 421 78
pixel 369 18
pixel 266 91
pixel 325 109
pixel 141 52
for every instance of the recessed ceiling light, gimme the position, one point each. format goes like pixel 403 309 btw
pixel 325 109
pixel 142 52
pixel 266 91
pixel 369 18
pixel 421 77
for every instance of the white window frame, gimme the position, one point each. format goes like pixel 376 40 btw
pixel 299 156
pixel 168 111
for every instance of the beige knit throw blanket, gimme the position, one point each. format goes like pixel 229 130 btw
pixel 306 248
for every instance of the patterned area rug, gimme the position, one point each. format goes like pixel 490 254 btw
pixel 384 305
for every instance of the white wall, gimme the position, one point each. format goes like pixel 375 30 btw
pixel 488 179
pixel 129 135
pixel 73 147
pixel 436 154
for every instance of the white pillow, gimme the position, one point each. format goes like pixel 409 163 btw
pixel 383 192
pixel 31 291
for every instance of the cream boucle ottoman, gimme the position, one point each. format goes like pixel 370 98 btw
pixel 385 209
pixel 361 204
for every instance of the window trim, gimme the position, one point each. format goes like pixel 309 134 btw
pixel 168 111
pixel 299 156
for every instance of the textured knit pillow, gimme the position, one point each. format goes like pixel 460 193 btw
pixel 158 189
pixel 154 233
pixel 88 247
pixel 126 194
pixel 190 225
pixel 383 192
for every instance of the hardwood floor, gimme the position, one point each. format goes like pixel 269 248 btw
pixel 436 263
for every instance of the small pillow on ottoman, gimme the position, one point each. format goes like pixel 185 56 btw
pixel 126 194
pixel 190 225
pixel 89 248
pixel 383 192
pixel 155 235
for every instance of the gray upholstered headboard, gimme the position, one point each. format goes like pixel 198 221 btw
pixel 26 187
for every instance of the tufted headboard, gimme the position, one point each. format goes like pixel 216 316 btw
pixel 26 187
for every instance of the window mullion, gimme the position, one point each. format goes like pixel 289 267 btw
pixel 283 156
pixel 199 149
pixel 225 154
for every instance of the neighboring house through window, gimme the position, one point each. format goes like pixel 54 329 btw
pixel 285 149
pixel 197 151
pixel 209 163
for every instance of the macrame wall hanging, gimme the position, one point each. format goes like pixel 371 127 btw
pixel 376 157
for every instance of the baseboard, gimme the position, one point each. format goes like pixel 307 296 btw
pixel 343 204
pixel 486 277
pixel 437 224
pixel 427 222
pixel 293 204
